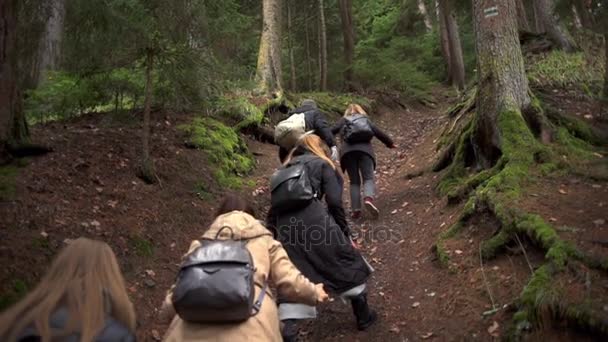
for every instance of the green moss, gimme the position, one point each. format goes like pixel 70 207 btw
pixel 142 246
pixel 201 190
pixel 17 290
pixel 8 187
pixel 491 247
pixel 560 69
pixel 225 149
pixel 332 104
pixel 240 111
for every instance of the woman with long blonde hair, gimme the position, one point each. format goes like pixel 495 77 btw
pixel 82 297
pixel 317 238
pixel 357 156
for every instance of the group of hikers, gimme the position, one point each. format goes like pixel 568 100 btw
pixel 232 277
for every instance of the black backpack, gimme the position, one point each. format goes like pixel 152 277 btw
pixel 357 129
pixel 290 186
pixel 215 283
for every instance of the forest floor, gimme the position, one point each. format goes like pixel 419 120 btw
pixel 88 187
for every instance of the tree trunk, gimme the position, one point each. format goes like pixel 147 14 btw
pixel 576 18
pixel 425 15
pixel 456 64
pixel 522 18
pixel 147 167
pixel 50 49
pixel 9 93
pixel 348 32
pixel 539 26
pixel 269 75
pixel 604 108
pixel 322 47
pixel 585 16
pixel 308 55
pixel 550 21
pixel 292 63
pixel 503 85
pixel 445 40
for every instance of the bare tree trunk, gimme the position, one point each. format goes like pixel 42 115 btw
pixel 456 65
pixel 292 63
pixel 445 40
pixel 586 18
pixel 147 167
pixel 576 18
pixel 503 85
pixel 323 47
pixel 557 33
pixel 269 73
pixel 50 49
pixel 425 15
pixel 522 18
pixel 9 94
pixel 348 32
pixel 604 107
pixel 539 26
pixel 308 55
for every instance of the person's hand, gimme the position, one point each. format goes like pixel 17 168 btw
pixel 321 294
pixel 334 153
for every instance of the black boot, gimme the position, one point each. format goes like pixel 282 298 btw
pixel 289 332
pixel 365 316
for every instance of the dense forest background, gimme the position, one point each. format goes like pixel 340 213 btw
pixel 493 93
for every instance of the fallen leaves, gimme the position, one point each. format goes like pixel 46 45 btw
pixel 427 335
pixel 416 304
pixel 493 329
pixel 563 192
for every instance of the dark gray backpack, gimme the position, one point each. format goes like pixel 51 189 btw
pixel 290 186
pixel 215 283
pixel 357 129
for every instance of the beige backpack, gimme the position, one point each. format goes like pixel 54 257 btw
pixel 288 131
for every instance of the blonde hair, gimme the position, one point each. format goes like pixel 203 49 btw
pixel 85 279
pixel 314 144
pixel 354 108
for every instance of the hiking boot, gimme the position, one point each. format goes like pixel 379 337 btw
pixel 289 332
pixel 364 315
pixel 355 215
pixel 371 208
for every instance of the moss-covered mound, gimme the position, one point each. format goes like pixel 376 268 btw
pixel 331 103
pixel 225 149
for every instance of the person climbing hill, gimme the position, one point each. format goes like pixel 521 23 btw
pixel 82 297
pixel 357 156
pixel 305 118
pixel 235 224
pixel 316 238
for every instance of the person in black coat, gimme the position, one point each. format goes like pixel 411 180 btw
pixel 318 239
pixel 359 161
pixel 82 297
pixel 316 122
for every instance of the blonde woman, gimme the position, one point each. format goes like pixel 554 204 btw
pixel 357 156
pixel 81 298
pixel 270 261
pixel 317 239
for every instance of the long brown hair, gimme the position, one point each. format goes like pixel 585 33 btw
pixel 85 279
pixel 315 145
pixel 354 108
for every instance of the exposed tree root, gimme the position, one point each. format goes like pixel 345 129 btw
pixel 495 190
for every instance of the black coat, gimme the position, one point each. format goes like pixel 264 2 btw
pixel 316 237
pixel 114 331
pixel 365 147
pixel 315 121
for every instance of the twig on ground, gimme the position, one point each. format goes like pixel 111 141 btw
pixel 485 281
pixel 525 254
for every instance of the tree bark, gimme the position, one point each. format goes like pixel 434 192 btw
pixel 522 18
pixel 585 15
pixel 456 65
pixel 322 47
pixel 269 74
pixel 539 26
pixel 50 49
pixel 604 108
pixel 425 15
pixel 292 63
pixel 308 55
pixel 348 32
pixel 576 18
pixel 445 40
pixel 503 85
pixel 147 168
pixel 550 22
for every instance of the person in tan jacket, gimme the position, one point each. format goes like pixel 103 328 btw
pixel 272 264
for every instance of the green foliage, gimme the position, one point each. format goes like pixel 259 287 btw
pixel 8 187
pixel 224 148
pixel 17 290
pixel 561 69
pixel 142 246
pixel 239 111
pixel 333 104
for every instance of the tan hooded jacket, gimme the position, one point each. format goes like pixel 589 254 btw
pixel 271 262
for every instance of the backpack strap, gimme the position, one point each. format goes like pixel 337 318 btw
pixel 257 305
pixel 222 229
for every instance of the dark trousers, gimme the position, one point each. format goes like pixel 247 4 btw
pixel 360 169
